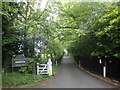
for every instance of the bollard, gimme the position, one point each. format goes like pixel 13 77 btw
pixel 104 71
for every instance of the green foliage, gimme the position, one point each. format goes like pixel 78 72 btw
pixel 91 29
pixel 57 49
pixel 10 35
pixel 17 79
pixel 29 68
pixel 76 21
pixel 23 69
pixel 108 35
pixel 23 25
pixel 55 69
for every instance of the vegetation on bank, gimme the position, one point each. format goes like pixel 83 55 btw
pixel 22 80
pixel 18 79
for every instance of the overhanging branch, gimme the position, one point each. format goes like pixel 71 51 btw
pixel 69 27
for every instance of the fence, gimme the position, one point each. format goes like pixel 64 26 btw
pixel 93 65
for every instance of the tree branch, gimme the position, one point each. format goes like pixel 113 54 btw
pixel 69 27
pixel 40 15
pixel 30 12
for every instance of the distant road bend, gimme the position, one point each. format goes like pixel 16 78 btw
pixel 71 76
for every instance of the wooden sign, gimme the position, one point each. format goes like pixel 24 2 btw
pixel 19 61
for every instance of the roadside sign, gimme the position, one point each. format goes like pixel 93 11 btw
pixel 19 61
pixel 36 46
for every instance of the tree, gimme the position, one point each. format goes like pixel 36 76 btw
pixel 108 34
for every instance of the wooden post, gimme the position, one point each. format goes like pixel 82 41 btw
pixel 37 68
pixel 12 69
pixel 56 63
pixel 79 64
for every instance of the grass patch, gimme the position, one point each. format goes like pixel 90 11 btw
pixel 55 68
pixel 18 79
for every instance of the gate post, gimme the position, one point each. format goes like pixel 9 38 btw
pixel 37 68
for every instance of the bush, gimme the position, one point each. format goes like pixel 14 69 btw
pixel 29 68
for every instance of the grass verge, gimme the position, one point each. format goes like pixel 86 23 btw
pixel 22 80
pixel 55 68
pixel 18 79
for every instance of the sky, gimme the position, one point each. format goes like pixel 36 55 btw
pixel 43 4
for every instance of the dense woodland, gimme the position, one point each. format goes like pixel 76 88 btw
pixel 87 30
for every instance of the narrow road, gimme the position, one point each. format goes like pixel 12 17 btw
pixel 71 76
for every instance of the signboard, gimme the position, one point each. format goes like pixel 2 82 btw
pixel 38 47
pixel 19 61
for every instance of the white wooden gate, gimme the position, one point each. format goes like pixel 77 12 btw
pixel 42 69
